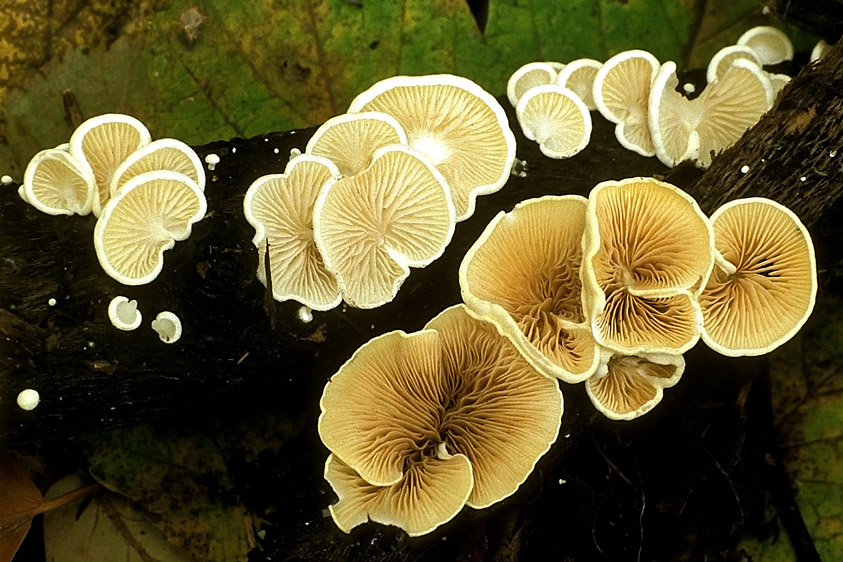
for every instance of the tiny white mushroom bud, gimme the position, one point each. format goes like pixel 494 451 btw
pixel 124 314
pixel 212 160
pixel 294 152
pixel 168 326
pixel 744 169
pixel 305 314
pixel 28 399
pixel 52 302
pixel 234 150
pixel 689 88
pixel 6 180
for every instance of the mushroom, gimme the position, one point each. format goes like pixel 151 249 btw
pixel 152 211
pixel 407 411
pixel 162 154
pixel 528 77
pixel 578 76
pixel 457 125
pixel 280 208
pixel 28 399
pixel 57 184
pixel 373 226
pixel 556 118
pixel 523 275
pixel 124 314
pixel 628 386
pixel 722 61
pixel 819 50
pixel 350 140
pixel 168 327
pixel 764 284
pixel 621 91
pixel 673 119
pixel 771 45
pixel 646 247
pixel 103 143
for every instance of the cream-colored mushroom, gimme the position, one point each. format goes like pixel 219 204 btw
pixel 628 386
pixel 161 154
pixel 168 327
pixel 350 140
pixel 771 45
pixel 764 284
pixel 406 409
pixel 528 77
pixel 555 118
pixel 621 92
pixel 280 208
pixel 722 61
pixel 124 314
pixel 646 246
pixel 103 143
pixel 57 184
pixel 152 211
pixel 578 76
pixel 523 275
pixel 458 126
pixel 373 226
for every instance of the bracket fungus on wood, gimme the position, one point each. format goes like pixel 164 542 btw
pixel 556 118
pixel 57 184
pixel 280 208
pixel 522 274
pixel 103 143
pixel 458 126
pixel 148 216
pixel 350 140
pixel 373 226
pixel 621 93
pixel 628 386
pixel 647 249
pixel 764 284
pixel 402 414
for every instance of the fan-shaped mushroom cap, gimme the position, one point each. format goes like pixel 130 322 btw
pixel 124 314
pixel 770 44
pixel 373 226
pixel 457 125
pixel 350 140
pixel 528 77
pixel 621 92
pixel 523 274
pixel 500 412
pixel 280 208
pixel 628 386
pixel 722 61
pixel 578 76
pixel 430 493
pixel 764 285
pixel 673 119
pixel 57 184
pixel 168 327
pixel 152 211
pixel 646 244
pixel 819 50
pixel 457 388
pixel 730 106
pixel 555 118
pixel 162 154
pixel 104 142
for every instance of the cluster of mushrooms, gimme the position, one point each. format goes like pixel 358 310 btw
pixel 609 290
pixel 639 94
pixel 145 194
pixel 378 190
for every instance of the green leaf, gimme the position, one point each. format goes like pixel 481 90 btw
pixel 207 70
pixel 807 390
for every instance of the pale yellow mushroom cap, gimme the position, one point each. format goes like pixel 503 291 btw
pixel 646 245
pixel 148 216
pixel 766 287
pixel 578 76
pixel 771 45
pixel 621 93
pixel 103 143
pixel 628 386
pixel 373 226
pixel 350 140
pixel 555 118
pixel 57 184
pixel 723 59
pixel 458 126
pixel 528 77
pixel 523 274
pixel 430 493
pixel 161 154
pixel 280 208
pixel 673 119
